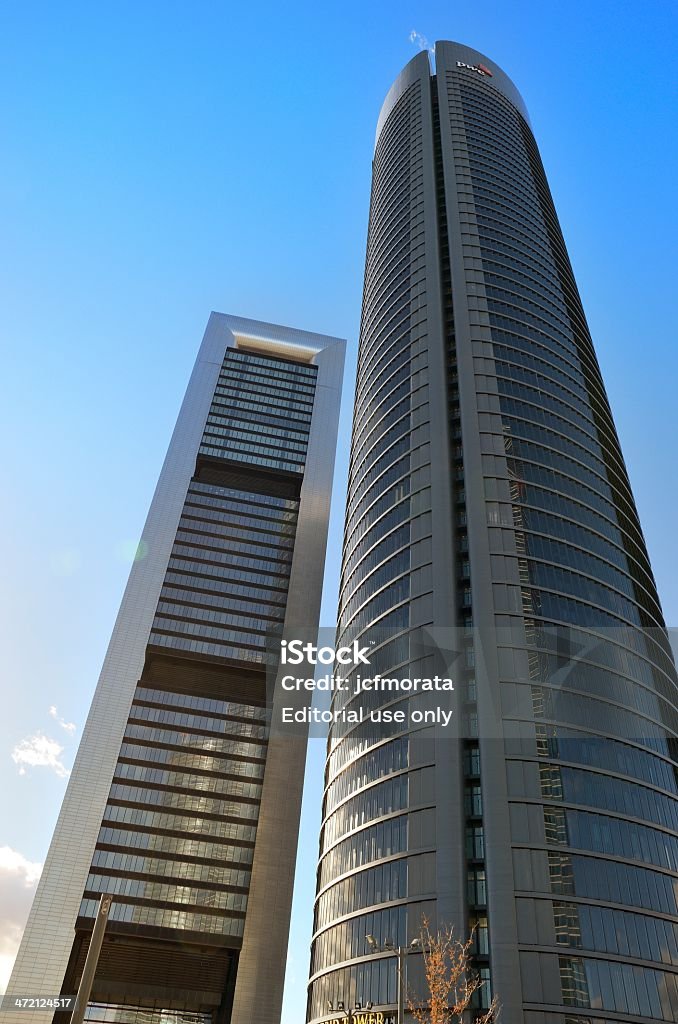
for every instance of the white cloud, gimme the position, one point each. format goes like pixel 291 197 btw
pixel 69 727
pixel 18 878
pixel 40 751
pixel 421 41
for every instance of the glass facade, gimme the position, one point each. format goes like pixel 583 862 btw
pixel 560 787
pixel 177 842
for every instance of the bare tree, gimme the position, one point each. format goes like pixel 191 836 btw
pixel 451 981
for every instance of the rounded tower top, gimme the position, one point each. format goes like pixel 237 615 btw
pixel 454 57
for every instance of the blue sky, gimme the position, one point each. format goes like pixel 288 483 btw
pixel 160 160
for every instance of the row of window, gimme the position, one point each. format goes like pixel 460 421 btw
pixel 364 565
pixel 211 762
pixel 263 532
pixel 190 825
pixel 374 843
pixel 269 407
pixel 180 846
pixel 279 526
pixel 277 567
pixel 574 533
pixel 228 708
pixel 492 224
pixel 393 520
pixel 390 414
pixel 235 419
pixel 574 875
pixel 547 436
pixel 215 578
pixel 273 611
pixel 240 541
pixel 615 836
pixel 216 648
pixel 384 458
pixel 395 566
pixel 532 451
pixel 238 500
pixel 248 454
pixel 167 716
pixel 180 627
pixel 267 440
pixel 398 391
pixel 349 939
pixel 398 383
pixel 551 550
pixel 563 744
pixel 619 988
pixel 535 373
pixel 629 652
pixel 184 920
pixel 197 802
pixel 581 672
pixel 387 654
pixel 389 362
pixel 228 571
pixel 545 413
pixel 591 713
pixel 233 377
pixel 369 701
pixel 115 1013
pixel 137 889
pixel 207 783
pixel 183 614
pixel 616 931
pixel 560 608
pixel 380 884
pixel 381 497
pixel 216 874
pixel 215 745
pixel 384 798
pixel 261 400
pixel 252 375
pixel 373 730
pixel 382 602
pixel 574 785
pixel 388 758
pixel 529 473
pixel 396 438
pixel 288 367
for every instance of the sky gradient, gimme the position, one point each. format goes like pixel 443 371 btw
pixel 163 160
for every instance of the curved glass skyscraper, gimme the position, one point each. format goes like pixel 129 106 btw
pixel 489 504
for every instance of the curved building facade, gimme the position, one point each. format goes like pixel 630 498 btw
pixel 489 501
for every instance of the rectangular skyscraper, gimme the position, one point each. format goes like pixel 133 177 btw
pixel 180 804
pixel 488 502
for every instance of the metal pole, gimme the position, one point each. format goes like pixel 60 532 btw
pixel 401 953
pixel 91 961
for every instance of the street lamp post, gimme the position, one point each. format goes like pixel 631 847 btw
pixel 401 953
